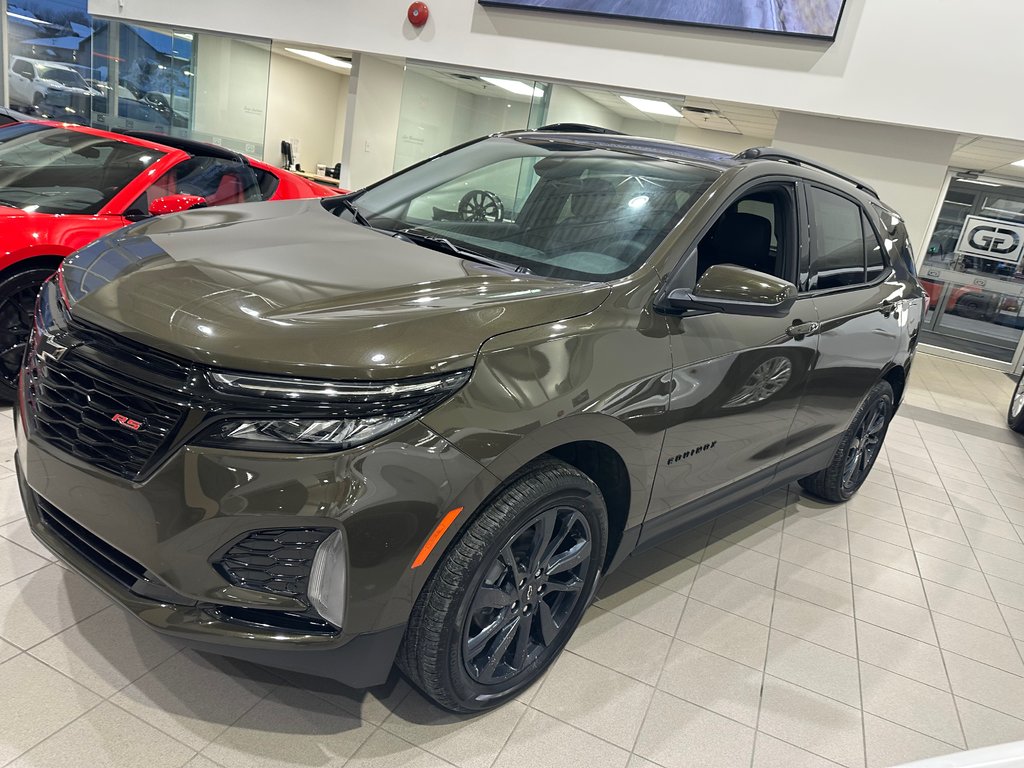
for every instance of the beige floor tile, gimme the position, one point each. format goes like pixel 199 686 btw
pixel 825 534
pixel 542 741
pixel 986 685
pixel 106 651
pixel 745 563
pixel 195 698
pixel 813 722
pixel 10 498
pixel 677 734
pixel 936 526
pixel 890 744
pixel 612 641
pixel 910 487
pixel 990 524
pixel 872 527
pixel 642 601
pixel 879 494
pixel 883 553
pixel 19 532
pixel 945 549
pixel 16 561
pixel 992 648
pixel 111 738
pixel 724 633
pixel 662 568
pixel 911 704
pixel 895 615
pixel 986 727
pixel 1007 592
pixel 902 655
pixel 815 557
pixel 815 624
pixel 579 692
pixel 382 750
pixel 373 705
pixel 713 682
pixel 732 594
pixel 770 752
pixel 813 667
pixel 1014 621
pixel 882 510
pixel 889 581
pixel 201 761
pixel 37 701
pixel 1000 567
pixel 45 602
pixel 931 507
pixel 814 587
pixel 971 608
pixel 813 509
pixel 996 545
pixel 952 575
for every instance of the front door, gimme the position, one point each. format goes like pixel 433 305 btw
pixel 737 380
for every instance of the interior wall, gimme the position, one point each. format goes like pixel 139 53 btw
pixel 303 105
pixel 892 62
pixel 231 82
pixel 698 137
pixel 567 105
pixel 373 110
pixel 906 165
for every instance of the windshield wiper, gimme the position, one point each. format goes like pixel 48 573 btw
pixel 443 244
pixel 361 220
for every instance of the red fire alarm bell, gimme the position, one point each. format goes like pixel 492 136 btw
pixel 418 14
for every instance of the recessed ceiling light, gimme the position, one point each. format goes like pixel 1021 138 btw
pixel 652 106
pixel 979 182
pixel 515 86
pixel 323 58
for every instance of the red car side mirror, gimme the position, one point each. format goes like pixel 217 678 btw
pixel 176 204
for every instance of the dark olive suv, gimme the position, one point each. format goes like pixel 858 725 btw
pixel 421 422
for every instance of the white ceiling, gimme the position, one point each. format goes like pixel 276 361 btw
pixel 986 155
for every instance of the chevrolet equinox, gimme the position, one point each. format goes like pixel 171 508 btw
pixel 419 423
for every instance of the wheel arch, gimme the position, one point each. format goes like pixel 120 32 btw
pixel 896 376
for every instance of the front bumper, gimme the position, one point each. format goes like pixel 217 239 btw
pixel 152 546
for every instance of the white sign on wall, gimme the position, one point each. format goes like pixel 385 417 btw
pixel 991 239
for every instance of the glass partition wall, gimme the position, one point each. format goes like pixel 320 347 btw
pixel 64 64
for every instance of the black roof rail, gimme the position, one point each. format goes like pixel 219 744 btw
pixel 770 153
pixel 578 128
pixel 193 147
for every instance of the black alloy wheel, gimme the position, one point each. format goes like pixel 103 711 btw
pixel 505 597
pixel 18 294
pixel 528 592
pixel 858 449
pixel 1015 413
pixel 481 205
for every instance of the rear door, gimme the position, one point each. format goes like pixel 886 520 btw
pixel 860 306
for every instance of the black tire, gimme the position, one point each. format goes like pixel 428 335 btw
pixel 976 307
pixel 852 461
pixel 18 292
pixel 1015 411
pixel 446 644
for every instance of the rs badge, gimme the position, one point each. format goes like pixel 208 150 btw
pixel 124 421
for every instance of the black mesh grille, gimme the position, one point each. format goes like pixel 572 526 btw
pixel 275 560
pixel 91 412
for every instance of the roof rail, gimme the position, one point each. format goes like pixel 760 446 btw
pixel 578 128
pixel 193 147
pixel 770 153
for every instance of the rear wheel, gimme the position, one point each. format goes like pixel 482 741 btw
pixel 1015 413
pixel 858 449
pixel 18 293
pixel 509 593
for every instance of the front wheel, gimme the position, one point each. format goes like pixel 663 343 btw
pixel 18 294
pixel 510 591
pixel 1015 413
pixel 858 449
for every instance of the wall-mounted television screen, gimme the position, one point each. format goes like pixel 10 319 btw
pixel 805 18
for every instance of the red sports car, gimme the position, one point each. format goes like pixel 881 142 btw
pixel 62 186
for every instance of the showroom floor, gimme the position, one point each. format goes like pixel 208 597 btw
pixel 792 635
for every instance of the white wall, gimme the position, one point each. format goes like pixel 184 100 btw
pixel 698 137
pixel 231 91
pixel 940 64
pixel 372 112
pixel 303 104
pixel 567 105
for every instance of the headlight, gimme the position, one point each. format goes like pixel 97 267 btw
pixel 312 416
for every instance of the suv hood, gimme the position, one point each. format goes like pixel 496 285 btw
pixel 289 288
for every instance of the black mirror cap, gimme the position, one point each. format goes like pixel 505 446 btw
pixel 736 291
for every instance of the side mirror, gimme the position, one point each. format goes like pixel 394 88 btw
pixel 736 291
pixel 176 204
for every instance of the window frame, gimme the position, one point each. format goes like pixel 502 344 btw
pixel 805 264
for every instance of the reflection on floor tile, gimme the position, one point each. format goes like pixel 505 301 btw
pixel 789 634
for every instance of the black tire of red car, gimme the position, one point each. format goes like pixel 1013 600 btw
pixel 510 590
pixel 976 307
pixel 1015 411
pixel 858 449
pixel 18 292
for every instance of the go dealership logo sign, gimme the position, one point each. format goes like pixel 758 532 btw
pixel 991 239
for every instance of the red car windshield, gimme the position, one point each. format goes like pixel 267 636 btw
pixel 54 170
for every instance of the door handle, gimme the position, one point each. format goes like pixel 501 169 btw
pixel 799 330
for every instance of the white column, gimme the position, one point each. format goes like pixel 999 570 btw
pixel 906 165
pixel 371 123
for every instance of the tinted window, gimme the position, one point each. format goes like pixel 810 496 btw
pixel 874 259
pixel 219 181
pixel 23 68
pixel 753 233
pixel 838 257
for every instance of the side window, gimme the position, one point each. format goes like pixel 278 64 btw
pixel 220 181
pixel 839 255
pixel 24 69
pixel 756 232
pixel 873 258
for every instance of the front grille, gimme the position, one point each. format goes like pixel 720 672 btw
pixel 88 410
pixel 276 560
pixel 106 558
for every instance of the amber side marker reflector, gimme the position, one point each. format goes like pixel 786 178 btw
pixel 435 537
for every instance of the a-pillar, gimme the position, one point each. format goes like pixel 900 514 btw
pixel 908 166
pixel 374 105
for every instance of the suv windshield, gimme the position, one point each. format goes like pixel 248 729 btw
pixel 560 209
pixel 63 76
pixel 53 170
